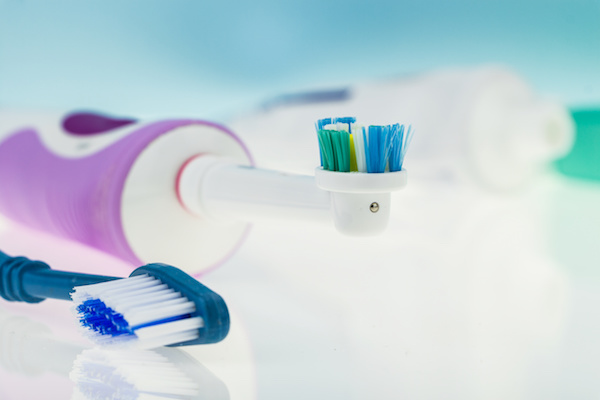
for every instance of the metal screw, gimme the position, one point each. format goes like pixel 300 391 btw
pixel 374 207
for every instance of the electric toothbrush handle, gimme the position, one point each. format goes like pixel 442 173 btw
pixel 73 197
pixel 110 183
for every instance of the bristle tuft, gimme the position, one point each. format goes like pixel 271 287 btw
pixel 400 141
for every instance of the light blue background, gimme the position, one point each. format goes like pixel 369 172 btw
pixel 208 58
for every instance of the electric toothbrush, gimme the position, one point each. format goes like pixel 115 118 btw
pixel 179 191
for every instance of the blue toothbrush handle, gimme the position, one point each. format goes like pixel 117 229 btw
pixel 22 279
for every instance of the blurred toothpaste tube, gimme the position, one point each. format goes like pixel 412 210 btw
pixel 483 125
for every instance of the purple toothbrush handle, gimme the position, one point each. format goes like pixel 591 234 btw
pixel 77 198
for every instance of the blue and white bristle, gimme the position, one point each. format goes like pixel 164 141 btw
pixel 139 311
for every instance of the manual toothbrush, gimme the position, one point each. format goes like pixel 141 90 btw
pixel 157 305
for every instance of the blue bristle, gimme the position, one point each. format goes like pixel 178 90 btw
pixel 395 159
pixel 400 142
pixel 96 316
pixel 374 149
pixel 406 142
pixel 162 321
pixel 345 120
pixel 386 145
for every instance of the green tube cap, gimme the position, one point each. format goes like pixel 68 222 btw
pixel 584 160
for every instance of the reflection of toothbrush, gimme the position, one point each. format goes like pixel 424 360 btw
pixel 181 191
pixel 31 349
pixel 157 305
pixel 135 374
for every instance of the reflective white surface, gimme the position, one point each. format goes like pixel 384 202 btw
pixel 468 295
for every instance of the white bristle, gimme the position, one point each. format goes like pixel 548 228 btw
pixel 156 315
pixel 142 298
pixel 92 290
pixel 359 147
pixel 144 315
pixel 173 332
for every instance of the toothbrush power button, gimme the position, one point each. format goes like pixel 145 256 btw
pixel 88 123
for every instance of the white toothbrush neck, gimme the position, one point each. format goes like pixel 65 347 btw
pixel 358 204
pixel 222 191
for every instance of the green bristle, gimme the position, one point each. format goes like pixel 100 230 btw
pixel 341 145
pixel 335 150
pixel 326 147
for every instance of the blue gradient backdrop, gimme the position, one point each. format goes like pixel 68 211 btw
pixel 207 58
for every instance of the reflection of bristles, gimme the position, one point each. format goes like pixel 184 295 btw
pixel 139 311
pixel 130 374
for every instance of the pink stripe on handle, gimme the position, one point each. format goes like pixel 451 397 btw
pixel 178 180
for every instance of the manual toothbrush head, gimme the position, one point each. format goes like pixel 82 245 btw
pixel 158 305
pixel 360 166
